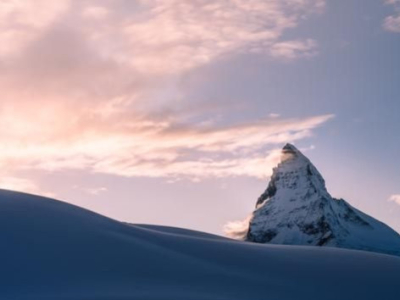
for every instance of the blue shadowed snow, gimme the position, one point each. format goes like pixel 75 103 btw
pixel 53 250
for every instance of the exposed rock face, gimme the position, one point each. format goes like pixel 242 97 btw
pixel 297 209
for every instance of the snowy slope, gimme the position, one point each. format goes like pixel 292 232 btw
pixel 52 250
pixel 297 209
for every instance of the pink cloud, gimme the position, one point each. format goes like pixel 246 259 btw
pixel 80 80
pixel 392 23
pixel 23 21
pixel 290 50
pixel 145 148
pixel 395 199
pixel 190 34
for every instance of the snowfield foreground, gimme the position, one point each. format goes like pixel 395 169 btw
pixel 53 250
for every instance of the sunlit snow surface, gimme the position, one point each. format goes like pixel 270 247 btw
pixel 53 250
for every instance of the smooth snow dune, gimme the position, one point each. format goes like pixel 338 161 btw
pixel 180 231
pixel 53 250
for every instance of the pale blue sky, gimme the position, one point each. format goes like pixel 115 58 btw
pixel 131 112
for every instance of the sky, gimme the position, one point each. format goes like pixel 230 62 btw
pixel 174 112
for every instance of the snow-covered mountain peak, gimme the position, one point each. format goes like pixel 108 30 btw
pixel 296 208
pixel 289 148
pixel 295 174
pixel 292 157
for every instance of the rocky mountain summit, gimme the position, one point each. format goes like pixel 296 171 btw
pixel 296 209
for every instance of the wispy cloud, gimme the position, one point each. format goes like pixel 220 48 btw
pixel 22 22
pixel 22 184
pixel 94 191
pixel 237 229
pixel 144 148
pixel 392 1
pixel 392 23
pixel 80 82
pixel 154 36
pixel 193 33
pixel 395 198
pixel 290 50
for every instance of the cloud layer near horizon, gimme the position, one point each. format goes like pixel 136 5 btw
pixel 83 83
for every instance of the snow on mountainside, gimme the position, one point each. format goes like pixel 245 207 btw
pixel 53 250
pixel 297 209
